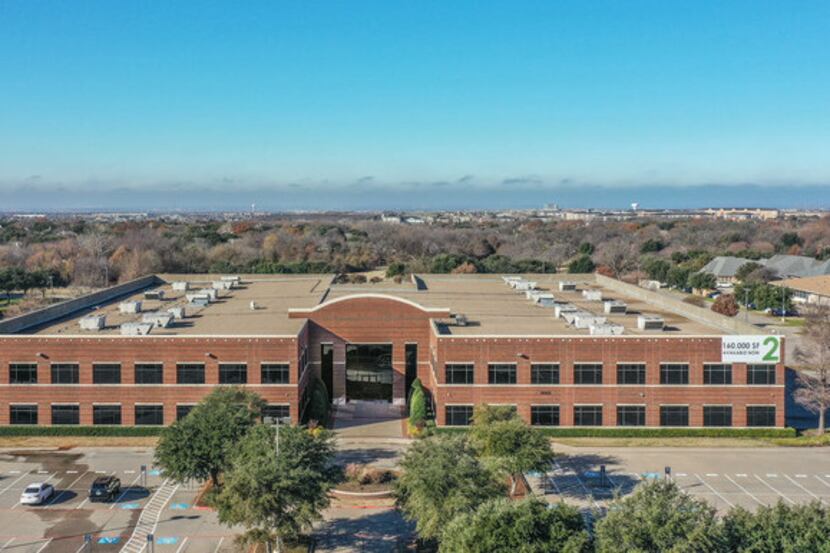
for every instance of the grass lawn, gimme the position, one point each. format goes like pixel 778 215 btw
pixel 66 442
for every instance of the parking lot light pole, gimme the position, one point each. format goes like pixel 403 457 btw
pixel 276 422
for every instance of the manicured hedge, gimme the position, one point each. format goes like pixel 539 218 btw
pixel 118 431
pixel 577 432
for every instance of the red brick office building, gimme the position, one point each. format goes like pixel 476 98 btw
pixel 470 339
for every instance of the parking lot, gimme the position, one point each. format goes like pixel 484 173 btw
pixel 723 477
pixel 60 524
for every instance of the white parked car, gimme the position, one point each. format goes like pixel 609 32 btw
pixel 35 494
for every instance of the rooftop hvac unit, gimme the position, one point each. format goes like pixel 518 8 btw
pixel 200 301
pixel 586 321
pixel 650 322
pixel 524 285
pixel 181 286
pixel 212 293
pixel 546 302
pixel 254 306
pixel 605 330
pixel 460 320
pixel 510 278
pixel 130 307
pixel 158 320
pixel 230 278
pixel 154 295
pixel 177 312
pixel 615 306
pixel 650 284
pixel 567 285
pixel 571 316
pixel 93 322
pixel 136 329
pixel 539 297
pixel 560 309
pixel 193 297
pixel 592 295
pixel 221 284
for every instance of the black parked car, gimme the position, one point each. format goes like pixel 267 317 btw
pixel 105 488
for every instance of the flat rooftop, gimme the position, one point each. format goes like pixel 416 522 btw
pixel 491 307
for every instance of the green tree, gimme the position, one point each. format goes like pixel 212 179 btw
pixel 678 277
pixel 652 246
pixel 582 264
pixel 747 269
pixel 442 478
pixel 528 526
pixel 199 445
pixel 656 268
pixel 511 447
pixel 417 403
pixel 790 239
pixel 395 268
pixel 586 248
pixel 659 517
pixel 274 496
pixel 703 281
pixel 780 528
pixel 318 405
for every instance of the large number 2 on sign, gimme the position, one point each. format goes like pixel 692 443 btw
pixel 772 352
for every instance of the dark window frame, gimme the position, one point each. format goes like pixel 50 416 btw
pixel 275 373
pixel 99 371
pixel 767 414
pixel 233 373
pixel 755 370
pixel 626 370
pixel 545 415
pixel 156 411
pixel 674 374
pixel 280 410
pixel 190 374
pixel 625 414
pixel 145 370
pixel 713 414
pixel 457 416
pixel 459 373
pixel 502 374
pixel 674 416
pixel 16 370
pixel 65 373
pixel 717 374
pixel 23 414
pixel 106 412
pixel 592 411
pixel 545 373
pixel 583 370
pixel 183 409
pixel 73 412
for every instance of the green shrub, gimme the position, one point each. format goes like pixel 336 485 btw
pixel 57 430
pixel 417 404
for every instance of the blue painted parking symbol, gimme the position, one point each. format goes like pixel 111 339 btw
pixel 109 540
pixel 534 474
pixel 590 474
pixel 155 472
pixel 180 506
pixel 650 475
pixel 167 540
pixel 130 506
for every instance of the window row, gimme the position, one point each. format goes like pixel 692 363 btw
pixel 149 373
pixel 627 415
pixel 591 373
pixel 111 414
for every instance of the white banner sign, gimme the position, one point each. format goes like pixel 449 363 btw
pixel 751 349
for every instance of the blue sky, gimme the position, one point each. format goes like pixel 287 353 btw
pixel 388 95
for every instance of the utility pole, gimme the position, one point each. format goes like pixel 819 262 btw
pixel 783 304
pixel 746 305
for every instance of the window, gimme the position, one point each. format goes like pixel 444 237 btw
pixel 149 415
pixel 631 373
pixel 588 373
pixel 459 415
pixel 65 373
pixel 183 410
pixel 23 414
pixel 760 374
pixel 22 373
pixel 459 373
pixel 717 374
pixel 674 373
pixel 149 373
pixel 717 415
pixel 544 415
pixel 106 373
pixel 674 415
pixel 190 373
pixel 544 373
pixel 501 373
pixel 281 412
pixel 66 414
pixel 631 415
pixel 106 414
pixel 274 373
pixel 233 373
pixel 588 415
pixel 760 415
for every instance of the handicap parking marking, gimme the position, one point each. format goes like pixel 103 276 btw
pixel 167 540
pixel 109 540
pixel 131 506
pixel 180 506
pixel 155 472
pixel 650 475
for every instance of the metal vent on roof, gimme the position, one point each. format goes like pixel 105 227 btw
pixel 650 322
pixel 136 329
pixel 615 306
pixel 567 285
pixel 460 319
pixel 130 307
pixel 93 322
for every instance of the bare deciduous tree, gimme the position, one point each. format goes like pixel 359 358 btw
pixel 812 358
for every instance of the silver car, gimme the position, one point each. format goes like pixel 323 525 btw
pixel 35 494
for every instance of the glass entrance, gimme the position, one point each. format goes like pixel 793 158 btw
pixel 369 372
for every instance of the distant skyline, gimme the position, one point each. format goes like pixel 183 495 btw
pixel 372 105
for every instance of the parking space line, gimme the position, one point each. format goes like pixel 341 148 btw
pixel 7 488
pixel 5 545
pixel 714 491
pixel 181 547
pixel 773 489
pixel 218 545
pixel 57 496
pixel 822 481
pixel 805 489
pixel 42 547
pixel 747 492
pixel 124 493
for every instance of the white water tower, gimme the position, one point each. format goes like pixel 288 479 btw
pixel 635 206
